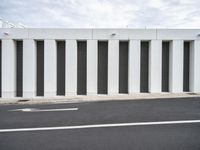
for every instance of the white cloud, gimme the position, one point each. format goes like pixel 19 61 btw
pixel 103 13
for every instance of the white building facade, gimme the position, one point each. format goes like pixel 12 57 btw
pixel 53 62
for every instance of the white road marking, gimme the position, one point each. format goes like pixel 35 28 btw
pixel 101 126
pixel 43 110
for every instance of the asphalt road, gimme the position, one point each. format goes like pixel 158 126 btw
pixel 182 136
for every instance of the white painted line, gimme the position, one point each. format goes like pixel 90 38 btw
pixel 101 126
pixel 43 110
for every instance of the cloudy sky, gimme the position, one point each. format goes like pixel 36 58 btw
pixel 103 13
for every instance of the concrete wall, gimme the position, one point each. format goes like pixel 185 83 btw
pixel 145 62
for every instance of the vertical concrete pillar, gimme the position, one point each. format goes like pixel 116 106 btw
pixel 155 66
pixel 29 68
pixel 50 65
pixel 134 66
pixel 8 69
pixel 113 67
pixel 176 66
pixel 194 66
pixel 71 67
pixel 91 67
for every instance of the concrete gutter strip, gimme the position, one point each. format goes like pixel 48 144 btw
pixel 95 98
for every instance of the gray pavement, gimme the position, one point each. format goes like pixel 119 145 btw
pixel 148 137
pixel 95 98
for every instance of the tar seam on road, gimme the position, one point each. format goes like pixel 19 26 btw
pixel 100 126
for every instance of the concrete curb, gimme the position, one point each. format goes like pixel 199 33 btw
pixel 95 98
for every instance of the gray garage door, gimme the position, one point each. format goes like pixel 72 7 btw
pixel 40 68
pixel 123 67
pixel 165 66
pixel 186 68
pixel 102 67
pixel 144 64
pixel 60 67
pixel 19 68
pixel 82 68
